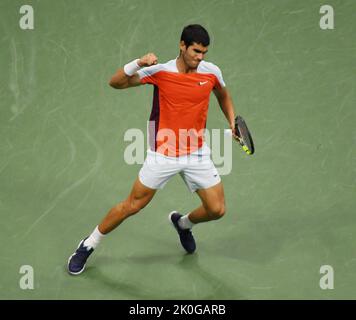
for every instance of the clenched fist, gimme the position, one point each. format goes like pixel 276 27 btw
pixel 147 60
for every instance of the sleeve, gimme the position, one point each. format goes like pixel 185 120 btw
pixel 220 83
pixel 148 74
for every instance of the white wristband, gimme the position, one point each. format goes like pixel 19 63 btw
pixel 132 67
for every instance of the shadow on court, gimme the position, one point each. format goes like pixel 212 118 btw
pixel 186 266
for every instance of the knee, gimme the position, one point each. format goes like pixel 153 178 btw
pixel 217 212
pixel 134 206
pixel 128 207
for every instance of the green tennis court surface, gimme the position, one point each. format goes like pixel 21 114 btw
pixel 290 207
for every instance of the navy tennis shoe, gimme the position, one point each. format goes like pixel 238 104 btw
pixel 185 235
pixel 77 261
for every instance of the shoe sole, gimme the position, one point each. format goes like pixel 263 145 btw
pixel 80 271
pixel 170 219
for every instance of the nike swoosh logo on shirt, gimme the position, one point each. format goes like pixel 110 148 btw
pixel 201 83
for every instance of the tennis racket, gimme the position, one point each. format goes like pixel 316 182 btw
pixel 244 135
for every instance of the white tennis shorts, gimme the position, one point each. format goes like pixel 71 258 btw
pixel 197 170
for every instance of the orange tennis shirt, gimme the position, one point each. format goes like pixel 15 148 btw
pixel 180 106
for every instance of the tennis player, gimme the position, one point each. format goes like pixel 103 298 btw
pixel 182 88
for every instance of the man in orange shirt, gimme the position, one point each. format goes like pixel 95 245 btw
pixel 182 88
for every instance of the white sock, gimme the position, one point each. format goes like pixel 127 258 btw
pixel 185 223
pixel 94 239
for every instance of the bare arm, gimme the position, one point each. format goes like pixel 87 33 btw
pixel 120 80
pixel 227 106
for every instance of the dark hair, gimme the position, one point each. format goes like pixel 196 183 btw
pixel 195 33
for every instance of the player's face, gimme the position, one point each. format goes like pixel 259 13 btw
pixel 194 54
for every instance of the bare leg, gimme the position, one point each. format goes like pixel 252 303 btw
pixel 213 205
pixel 139 197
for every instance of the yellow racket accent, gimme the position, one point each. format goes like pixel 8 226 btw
pixel 246 149
pixel 243 136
